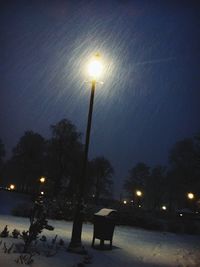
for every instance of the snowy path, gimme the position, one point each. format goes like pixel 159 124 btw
pixel 132 247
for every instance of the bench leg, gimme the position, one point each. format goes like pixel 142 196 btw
pixel 110 243
pixel 101 243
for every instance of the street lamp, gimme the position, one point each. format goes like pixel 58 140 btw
pixel 191 203
pixel 138 193
pixel 138 197
pixel 40 186
pixel 42 180
pixel 95 68
pixel 190 195
pixel 12 187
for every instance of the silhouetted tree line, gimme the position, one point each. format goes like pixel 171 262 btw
pixel 59 159
pixel 168 186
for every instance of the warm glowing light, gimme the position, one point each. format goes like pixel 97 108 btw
pixel 125 202
pixel 95 67
pixel 12 187
pixel 42 193
pixel 164 208
pixel 190 195
pixel 138 193
pixel 42 180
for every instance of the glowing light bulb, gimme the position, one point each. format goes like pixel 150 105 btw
pixel 95 67
pixel 12 187
pixel 42 180
pixel 190 195
pixel 138 193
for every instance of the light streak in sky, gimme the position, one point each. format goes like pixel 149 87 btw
pixel 154 61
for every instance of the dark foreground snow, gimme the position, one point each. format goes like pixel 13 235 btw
pixel 132 247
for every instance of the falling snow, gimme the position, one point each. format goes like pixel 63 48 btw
pixel 149 98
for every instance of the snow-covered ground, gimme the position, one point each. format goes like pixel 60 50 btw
pixel 132 247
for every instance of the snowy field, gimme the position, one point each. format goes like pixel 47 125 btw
pixel 132 247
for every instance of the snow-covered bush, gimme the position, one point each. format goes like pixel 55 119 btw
pixel 5 232
pixel 38 222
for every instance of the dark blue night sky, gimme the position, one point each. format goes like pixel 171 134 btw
pixel 150 96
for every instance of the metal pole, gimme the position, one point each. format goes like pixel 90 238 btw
pixel 76 244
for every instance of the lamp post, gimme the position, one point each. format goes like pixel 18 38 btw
pixel 41 183
pixel 12 187
pixel 138 193
pixel 138 197
pixel 190 196
pixel 42 180
pixel 95 70
pixel 164 207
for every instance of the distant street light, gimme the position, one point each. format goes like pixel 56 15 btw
pixel 192 204
pixel 164 208
pixel 42 180
pixel 138 197
pixel 138 193
pixel 190 195
pixel 125 202
pixel 12 187
pixel 95 68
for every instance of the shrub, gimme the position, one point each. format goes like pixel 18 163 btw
pixel 38 223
